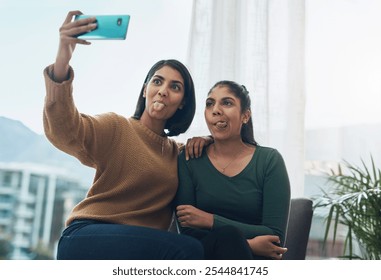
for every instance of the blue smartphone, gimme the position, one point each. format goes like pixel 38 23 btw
pixel 109 27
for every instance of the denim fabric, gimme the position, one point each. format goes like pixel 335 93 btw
pixel 94 240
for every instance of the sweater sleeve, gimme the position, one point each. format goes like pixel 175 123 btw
pixel 276 201
pixel 82 136
pixel 185 192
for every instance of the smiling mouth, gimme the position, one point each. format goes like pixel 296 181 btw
pixel 221 124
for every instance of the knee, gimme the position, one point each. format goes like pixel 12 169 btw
pixel 190 248
pixel 193 248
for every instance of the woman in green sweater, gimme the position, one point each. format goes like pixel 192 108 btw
pixel 235 197
pixel 127 211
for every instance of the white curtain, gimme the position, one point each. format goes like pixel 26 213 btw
pixel 259 44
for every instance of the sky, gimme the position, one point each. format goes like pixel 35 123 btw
pixel 343 57
pixel 108 74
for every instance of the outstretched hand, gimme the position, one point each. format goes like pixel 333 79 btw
pixel 264 246
pixel 195 145
pixel 68 32
pixel 190 216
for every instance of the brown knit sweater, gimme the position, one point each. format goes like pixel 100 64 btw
pixel 136 169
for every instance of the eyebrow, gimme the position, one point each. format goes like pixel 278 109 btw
pixel 162 78
pixel 223 99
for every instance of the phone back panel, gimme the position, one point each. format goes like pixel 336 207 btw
pixel 109 27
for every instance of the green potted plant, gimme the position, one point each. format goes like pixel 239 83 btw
pixel 354 201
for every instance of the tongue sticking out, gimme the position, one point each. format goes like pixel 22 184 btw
pixel 221 124
pixel 158 106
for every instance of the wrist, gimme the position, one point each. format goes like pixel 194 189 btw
pixel 60 72
pixel 211 221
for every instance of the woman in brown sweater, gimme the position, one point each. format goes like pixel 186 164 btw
pixel 127 211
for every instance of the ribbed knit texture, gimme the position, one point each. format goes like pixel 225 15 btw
pixel 136 169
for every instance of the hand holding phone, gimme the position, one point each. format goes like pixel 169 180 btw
pixel 109 27
pixel 89 28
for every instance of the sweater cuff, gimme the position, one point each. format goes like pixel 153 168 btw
pixel 49 73
pixel 216 222
pixel 55 90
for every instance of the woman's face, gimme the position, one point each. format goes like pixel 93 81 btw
pixel 164 93
pixel 223 114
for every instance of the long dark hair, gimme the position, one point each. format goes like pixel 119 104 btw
pixel 182 119
pixel 240 91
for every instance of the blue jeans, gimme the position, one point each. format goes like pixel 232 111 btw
pixel 95 240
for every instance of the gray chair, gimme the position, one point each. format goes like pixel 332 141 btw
pixel 298 229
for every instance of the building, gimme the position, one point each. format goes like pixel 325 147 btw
pixel 34 203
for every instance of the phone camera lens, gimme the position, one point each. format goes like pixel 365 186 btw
pixel 119 21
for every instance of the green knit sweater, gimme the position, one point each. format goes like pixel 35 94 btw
pixel 136 169
pixel 256 200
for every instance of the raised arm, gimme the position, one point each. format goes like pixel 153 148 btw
pixel 68 41
pixel 77 134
